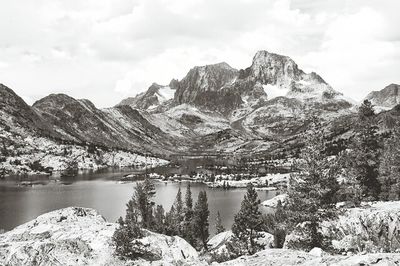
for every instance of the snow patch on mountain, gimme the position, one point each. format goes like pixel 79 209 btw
pixel 274 91
pixel 165 94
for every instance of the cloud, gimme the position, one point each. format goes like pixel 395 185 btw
pixel 108 49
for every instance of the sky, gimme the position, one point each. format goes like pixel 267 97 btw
pixel 106 50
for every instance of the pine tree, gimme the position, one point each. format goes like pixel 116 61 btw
pixel 248 221
pixel 170 222
pixel 159 219
pixel 143 203
pixel 179 215
pixel 365 153
pixel 188 215
pixel 128 230
pixel 312 191
pixel 200 219
pixel 390 166
pixel 219 228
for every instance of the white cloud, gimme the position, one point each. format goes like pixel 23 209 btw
pixel 108 49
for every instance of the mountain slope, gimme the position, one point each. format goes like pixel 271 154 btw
pixel 388 97
pixel 150 100
pixel 80 120
pixel 16 114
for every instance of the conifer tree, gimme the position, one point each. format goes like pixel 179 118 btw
pixel 365 153
pixel 312 191
pixel 170 222
pixel 142 201
pixel 179 215
pixel 159 219
pixel 390 166
pixel 219 228
pixel 248 221
pixel 188 215
pixel 200 219
pixel 129 229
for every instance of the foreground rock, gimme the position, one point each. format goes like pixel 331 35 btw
pixel 283 257
pixel 371 228
pixel 80 236
pixel 220 245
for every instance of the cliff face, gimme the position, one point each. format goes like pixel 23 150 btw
pixel 204 86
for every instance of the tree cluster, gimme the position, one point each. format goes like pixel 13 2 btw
pixel 184 220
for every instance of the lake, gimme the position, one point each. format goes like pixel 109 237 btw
pixel 102 191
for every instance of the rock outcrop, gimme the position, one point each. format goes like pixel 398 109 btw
pixel 374 228
pixel 285 257
pixel 153 99
pixel 81 236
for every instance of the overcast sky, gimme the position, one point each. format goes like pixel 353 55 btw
pixel 105 50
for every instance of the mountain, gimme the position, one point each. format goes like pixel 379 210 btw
pixel 253 108
pixel 204 86
pixel 388 97
pixel 212 109
pixel 16 114
pixel 119 127
pixel 280 76
pixel 152 98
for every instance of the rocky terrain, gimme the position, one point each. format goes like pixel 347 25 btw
pixel 81 236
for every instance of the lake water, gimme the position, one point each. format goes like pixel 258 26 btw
pixel 102 191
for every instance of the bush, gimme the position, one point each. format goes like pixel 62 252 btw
pixel 37 166
pixel 123 237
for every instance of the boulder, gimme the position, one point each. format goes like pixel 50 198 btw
pixel 218 245
pixel 273 203
pixel 81 236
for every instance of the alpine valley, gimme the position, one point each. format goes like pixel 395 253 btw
pixel 257 112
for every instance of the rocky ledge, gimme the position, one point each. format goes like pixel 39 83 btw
pixel 81 236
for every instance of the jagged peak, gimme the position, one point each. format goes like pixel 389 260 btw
pixel 264 57
pixel 221 65
pixel 265 53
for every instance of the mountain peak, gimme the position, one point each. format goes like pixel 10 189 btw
pixel 388 97
pixel 270 68
pixel 55 98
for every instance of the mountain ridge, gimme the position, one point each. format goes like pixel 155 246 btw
pixel 214 108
